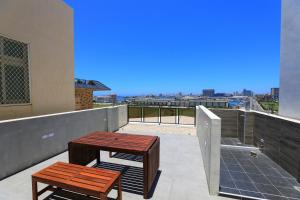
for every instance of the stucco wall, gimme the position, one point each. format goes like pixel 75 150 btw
pixel 290 60
pixel 25 142
pixel 47 27
pixel 209 134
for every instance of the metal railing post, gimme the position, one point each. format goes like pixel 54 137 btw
pixel 177 114
pixel 195 120
pixel 159 115
pixel 142 114
pixel 127 113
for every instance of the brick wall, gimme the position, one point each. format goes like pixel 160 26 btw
pixel 83 98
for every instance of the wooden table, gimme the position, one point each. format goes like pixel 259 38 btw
pixel 84 150
pixel 76 178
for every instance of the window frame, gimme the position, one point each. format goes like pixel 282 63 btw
pixel 4 102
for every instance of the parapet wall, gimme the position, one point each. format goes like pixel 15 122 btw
pixel 209 135
pixel 27 141
pixel 230 121
pixel 279 135
pixel 281 140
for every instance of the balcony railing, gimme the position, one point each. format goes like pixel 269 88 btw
pixel 162 115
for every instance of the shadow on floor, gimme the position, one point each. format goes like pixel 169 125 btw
pixel 132 177
pixel 126 156
pixel 132 182
pixel 67 195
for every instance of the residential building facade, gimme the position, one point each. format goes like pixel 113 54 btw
pixel 247 93
pixel 275 93
pixel 112 98
pixel 36 58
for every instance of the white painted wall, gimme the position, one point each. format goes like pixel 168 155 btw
pixel 289 105
pixel 209 134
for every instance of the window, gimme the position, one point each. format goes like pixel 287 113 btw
pixel 14 73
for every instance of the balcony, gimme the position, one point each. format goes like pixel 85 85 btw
pixel 222 154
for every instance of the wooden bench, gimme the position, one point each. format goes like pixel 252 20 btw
pixel 85 180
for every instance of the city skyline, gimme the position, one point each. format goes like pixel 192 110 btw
pixel 199 93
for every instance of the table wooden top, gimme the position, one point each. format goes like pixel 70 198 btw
pixel 79 178
pixel 121 141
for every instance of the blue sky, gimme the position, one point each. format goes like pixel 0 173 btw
pixel 167 46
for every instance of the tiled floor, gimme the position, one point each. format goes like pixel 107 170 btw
pixel 258 177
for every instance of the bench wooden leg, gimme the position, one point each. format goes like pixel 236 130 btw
pixel 98 158
pixel 34 190
pixel 119 189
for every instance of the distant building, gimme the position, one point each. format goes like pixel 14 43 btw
pixel 208 92
pixel 237 93
pixel 112 98
pixel 247 93
pixel 222 95
pixel 275 93
pixel 84 92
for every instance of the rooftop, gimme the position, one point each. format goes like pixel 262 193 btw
pixel 181 170
pixel 204 153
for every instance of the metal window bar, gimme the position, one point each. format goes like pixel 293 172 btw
pixel 14 72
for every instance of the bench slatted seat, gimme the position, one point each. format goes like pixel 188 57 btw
pixel 76 178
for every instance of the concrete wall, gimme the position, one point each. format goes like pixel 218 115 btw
pixel 290 60
pixel 47 27
pixel 230 121
pixel 119 113
pixel 281 135
pixel 237 124
pixel 281 140
pixel 209 134
pixel 123 115
pixel 25 142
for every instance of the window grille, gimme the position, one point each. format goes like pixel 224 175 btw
pixel 14 72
